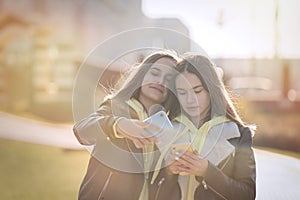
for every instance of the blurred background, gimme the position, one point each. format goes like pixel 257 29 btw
pixel 44 42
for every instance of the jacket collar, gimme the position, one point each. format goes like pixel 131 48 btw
pixel 138 108
pixel 217 147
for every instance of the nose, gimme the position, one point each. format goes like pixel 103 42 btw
pixel 190 97
pixel 161 80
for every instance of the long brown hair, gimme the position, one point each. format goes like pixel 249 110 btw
pixel 131 86
pixel 220 101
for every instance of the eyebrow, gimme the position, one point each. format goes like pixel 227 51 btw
pixel 169 74
pixel 195 87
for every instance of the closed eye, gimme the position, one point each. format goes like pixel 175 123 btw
pixel 198 89
pixel 181 92
pixel 154 73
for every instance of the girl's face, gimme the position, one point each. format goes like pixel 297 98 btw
pixel 192 96
pixel 156 82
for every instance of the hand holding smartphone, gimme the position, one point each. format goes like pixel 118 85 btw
pixel 179 149
pixel 160 120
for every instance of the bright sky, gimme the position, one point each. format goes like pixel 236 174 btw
pixel 236 28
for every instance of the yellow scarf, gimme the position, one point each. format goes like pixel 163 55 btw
pixel 198 139
pixel 147 149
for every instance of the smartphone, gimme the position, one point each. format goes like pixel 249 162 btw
pixel 160 120
pixel 181 148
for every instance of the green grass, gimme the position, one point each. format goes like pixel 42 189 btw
pixel 31 171
pixel 37 172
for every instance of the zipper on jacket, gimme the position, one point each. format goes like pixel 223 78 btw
pixel 217 192
pixel 162 180
pixel 101 197
pixel 227 160
pixel 204 184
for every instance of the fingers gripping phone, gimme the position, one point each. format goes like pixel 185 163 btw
pixel 160 120
pixel 181 148
pixel 178 149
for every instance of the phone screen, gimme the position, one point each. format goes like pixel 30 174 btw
pixel 160 120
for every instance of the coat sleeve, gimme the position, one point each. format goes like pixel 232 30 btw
pixel 99 122
pixel 239 181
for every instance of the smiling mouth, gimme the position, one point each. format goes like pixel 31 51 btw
pixel 157 88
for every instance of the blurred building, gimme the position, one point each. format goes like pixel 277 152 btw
pixel 269 84
pixel 43 43
pixel 37 66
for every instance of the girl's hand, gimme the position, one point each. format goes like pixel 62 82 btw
pixel 137 131
pixel 192 163
pixel 173 166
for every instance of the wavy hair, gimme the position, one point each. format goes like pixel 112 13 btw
pixel 131 84
pixel 206 71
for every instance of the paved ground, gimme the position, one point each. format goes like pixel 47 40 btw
pixel 27 130
pixel 278 176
